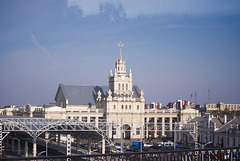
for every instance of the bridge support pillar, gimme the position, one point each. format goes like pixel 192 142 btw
pixel 19 146
pixel 12 144
pixel 34 147
pixel 59 139
pixel 89 145
pixel 78 141
pixel 7 143
pixel 103 145
pixel 68 144
pixel 26 149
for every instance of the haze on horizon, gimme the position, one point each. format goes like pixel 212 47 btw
pixel 174 48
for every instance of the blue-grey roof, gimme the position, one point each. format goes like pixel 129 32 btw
pixel 87 95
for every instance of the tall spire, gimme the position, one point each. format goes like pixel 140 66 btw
pixel 120 44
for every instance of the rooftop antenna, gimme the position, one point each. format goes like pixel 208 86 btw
pixel 195 97
pixel 120 44
pixel 209 96
pixel 191 97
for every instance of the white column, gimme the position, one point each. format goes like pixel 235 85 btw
pixel 89 145
pixel 68 144
pixel 146 127
pixel 170 126
pixel 96 122
pixel 103 145
pixel 26 149
pixel 34 147
pixel 163 126
pixel 19 146
pixel 155 127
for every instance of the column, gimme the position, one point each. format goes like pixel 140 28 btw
pixel 89 145
pixel 7 143
pixel 26 149
pixel 155 127
pixel 96 123
pixel 59 139
pixel 19 146
pixel 34 147
pixel 12 144
pixel 170 126
pixel 78 141
pixel 163 126
pixel 68 144
pixel 146 127
pixel 103 145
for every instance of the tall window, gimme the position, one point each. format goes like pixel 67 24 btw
pixel 130 107
pixel 114 107
pixel 122 86
pixel 126 107
pixel 126 86
pixel 122 106
pixel 119 86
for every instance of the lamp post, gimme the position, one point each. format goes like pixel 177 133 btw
pixel 47 141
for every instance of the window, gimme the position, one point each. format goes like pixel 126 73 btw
pixel 122 107
pixel 114 107
pixel 126 86
pixel 126 107
pixel 68 117
pixel 92 119
pixel 118 86
pixel 129 107
pixel 137 131
pixel 84 119
pixel 122 86
pixel 138 107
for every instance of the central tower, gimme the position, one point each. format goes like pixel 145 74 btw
pixel 120 83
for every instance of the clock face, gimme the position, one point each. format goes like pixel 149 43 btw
pixel 123 77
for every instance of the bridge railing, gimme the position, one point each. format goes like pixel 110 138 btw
pixel 216 154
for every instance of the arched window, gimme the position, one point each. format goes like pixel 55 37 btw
pixel 122 86
pixel 126 107
pixel 138 107
pixel 122 107
pixel 130 107
pixel 114 107
pixel 119 86
pixel 126 86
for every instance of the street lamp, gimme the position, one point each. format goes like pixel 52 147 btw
pixel 47 141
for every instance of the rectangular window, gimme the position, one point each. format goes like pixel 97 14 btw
pixel 137 131
pixel 84 119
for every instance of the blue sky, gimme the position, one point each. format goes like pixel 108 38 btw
pixel 174 47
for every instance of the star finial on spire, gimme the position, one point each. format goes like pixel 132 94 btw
pixel 120 44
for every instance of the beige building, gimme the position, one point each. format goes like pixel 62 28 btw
pixel 222 106
pixel 120 103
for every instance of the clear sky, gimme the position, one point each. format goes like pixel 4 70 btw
pixel 174 47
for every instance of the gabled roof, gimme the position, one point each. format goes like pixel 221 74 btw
pixel 225 127
pixel 86 95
